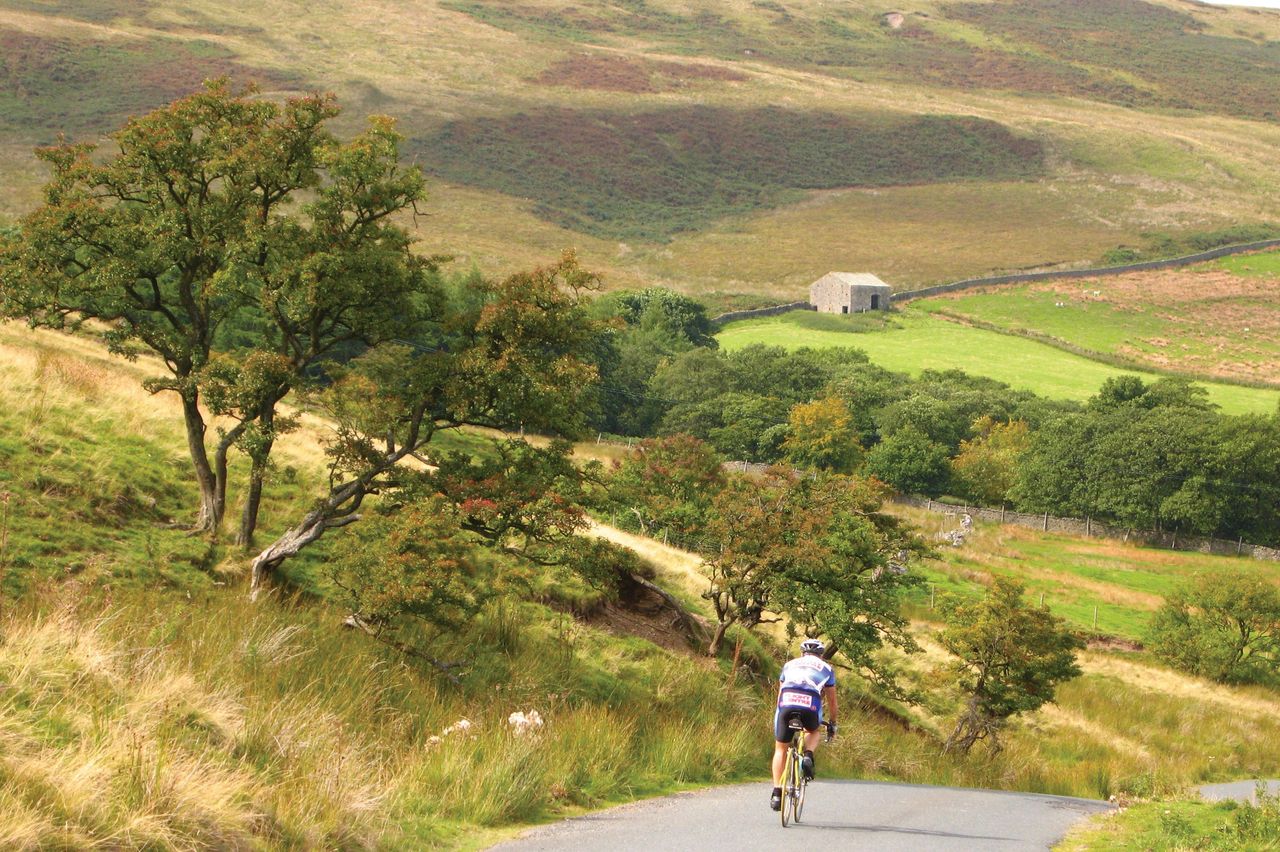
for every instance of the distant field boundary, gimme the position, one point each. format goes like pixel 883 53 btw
pixel 1019 278
pixel 1024 277
pixel 1097 529
pixel 733 316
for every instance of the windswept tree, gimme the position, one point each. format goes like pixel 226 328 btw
pixel 517 355
pixel 217 214
pixel 1010 658
pixel 417 559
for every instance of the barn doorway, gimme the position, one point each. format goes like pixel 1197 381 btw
pixel 875 301
pixel 844 309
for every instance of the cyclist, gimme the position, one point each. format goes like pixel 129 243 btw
pixel 805 684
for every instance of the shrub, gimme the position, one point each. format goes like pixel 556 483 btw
pixel 1224 626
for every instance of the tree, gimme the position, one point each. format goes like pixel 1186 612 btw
pixel 669 483
pixel 191 228
pixel 684 316
pixel 986 467
pixel 822 436
pixel 814 549
pixel 911 462
pixel 1011 659
pixel 517 356
pixel 418 559
pixel 1224 626
pixel 415 562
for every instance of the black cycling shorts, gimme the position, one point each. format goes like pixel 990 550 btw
pixel 810 716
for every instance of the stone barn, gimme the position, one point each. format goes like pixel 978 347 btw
pixel 849 293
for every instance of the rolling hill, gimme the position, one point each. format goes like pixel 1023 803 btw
pixel 734 150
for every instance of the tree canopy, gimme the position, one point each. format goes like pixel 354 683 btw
pixel 236 239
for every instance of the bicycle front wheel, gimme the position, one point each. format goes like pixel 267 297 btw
pixel 801 785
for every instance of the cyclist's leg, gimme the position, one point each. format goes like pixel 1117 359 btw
pixel 779 760
pixel 781 737
pixel 812 722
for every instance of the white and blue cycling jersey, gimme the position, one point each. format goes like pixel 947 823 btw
pixel 808 674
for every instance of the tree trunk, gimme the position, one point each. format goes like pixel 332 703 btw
pixel 717 638
pixel 261 457
pixel 211 500
pixel 340 508
pixel 312 527
pixel 331 514
pixel 252 502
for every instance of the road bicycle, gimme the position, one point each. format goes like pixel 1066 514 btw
pixel 794 783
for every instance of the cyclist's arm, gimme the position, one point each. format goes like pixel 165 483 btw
pixel 829 700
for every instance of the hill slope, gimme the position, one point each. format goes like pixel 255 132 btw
pixel 149 701
pixel 725 147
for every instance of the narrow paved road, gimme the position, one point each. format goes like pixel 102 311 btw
pixel 1241 791
pixel 838 815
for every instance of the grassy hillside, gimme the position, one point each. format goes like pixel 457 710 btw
pixel 807 136
pixel 916 340
pixel 149 702
pixel 1075 575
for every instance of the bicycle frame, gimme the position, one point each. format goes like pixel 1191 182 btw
pixel 794 783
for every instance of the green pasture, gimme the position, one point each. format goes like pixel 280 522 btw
pixel 1261 265
pixel 917 341
pixel 1070 574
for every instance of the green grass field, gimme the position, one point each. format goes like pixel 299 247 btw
pixel 918 341
pixel 1213 319
pixel 1126 583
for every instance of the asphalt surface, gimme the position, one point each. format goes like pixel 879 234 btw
pixel 1241 791
pixel 837 815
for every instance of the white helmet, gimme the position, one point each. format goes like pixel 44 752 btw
pixel 813 646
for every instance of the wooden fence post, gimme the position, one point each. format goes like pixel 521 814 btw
pixel 1046 521
pixel 1088 526
pixel 1002 513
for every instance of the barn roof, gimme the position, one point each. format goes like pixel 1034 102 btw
pixel 860 279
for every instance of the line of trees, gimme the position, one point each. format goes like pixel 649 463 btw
pixel 259 257
pixel 1144 454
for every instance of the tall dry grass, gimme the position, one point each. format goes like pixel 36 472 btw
pixel 151 720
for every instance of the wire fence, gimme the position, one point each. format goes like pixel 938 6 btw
pixel 1169 540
